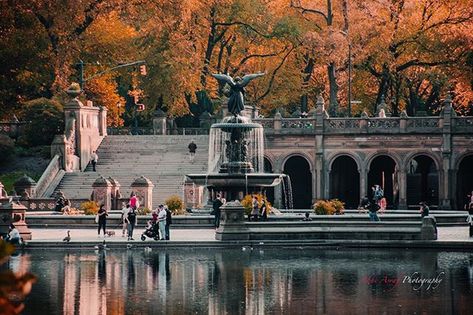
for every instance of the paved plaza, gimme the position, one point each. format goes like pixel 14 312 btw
pixel 451 233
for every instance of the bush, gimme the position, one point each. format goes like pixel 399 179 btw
pixel 45 119
pixel 89 207
pixel 143 211
pixel 338 205
pixel 247 202
pixel 7 148
pixel 328 207
pixel 175 204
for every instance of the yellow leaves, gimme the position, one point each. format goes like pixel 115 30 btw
pixel 103 91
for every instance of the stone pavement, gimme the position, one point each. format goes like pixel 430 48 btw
pixel 453 234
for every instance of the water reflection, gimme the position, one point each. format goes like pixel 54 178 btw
pixel 247 282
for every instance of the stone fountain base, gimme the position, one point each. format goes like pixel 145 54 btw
pixel 232 223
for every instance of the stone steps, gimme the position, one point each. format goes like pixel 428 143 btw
pixel 162 159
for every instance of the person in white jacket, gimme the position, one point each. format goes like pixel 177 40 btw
pixel 162 223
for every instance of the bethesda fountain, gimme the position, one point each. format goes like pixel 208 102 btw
pixel 236 162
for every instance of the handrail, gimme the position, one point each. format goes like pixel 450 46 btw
pixel 48 176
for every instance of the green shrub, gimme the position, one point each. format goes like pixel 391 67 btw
pixel 175 204
pixel 328 207
pixel 7 148
pixel 89 207
pixel 45 119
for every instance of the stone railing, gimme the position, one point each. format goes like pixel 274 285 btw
pixel 423 124
pixel 132 131
pixel 48 176
pixel 48 204
pixel 463 124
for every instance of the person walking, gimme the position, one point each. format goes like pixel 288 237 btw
pixel 254 209
pixel 131 218
pixel 102 219
pixel 93 159
pixel 192 148
pixel 124 218
pixel 424 209
pixel 162 223
pixel 217 203
pixel 168 222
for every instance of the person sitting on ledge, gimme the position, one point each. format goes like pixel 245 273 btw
pixel 307 217
pixel 373 208
pixel 13 236
pixel 424 209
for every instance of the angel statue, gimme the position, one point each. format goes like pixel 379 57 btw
pixel 236 102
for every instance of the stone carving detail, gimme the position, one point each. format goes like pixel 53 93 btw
pixel 423 122
pixel 265 122
pixel 464 121
pixel 297 123
pixel 383 123
pixel 334 123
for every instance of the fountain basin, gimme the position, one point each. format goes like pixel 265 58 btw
pixel 236 180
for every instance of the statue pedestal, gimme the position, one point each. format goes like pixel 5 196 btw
pixel 232 223
pixel 14 213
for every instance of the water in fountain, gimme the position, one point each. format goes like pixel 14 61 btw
pixel 236 146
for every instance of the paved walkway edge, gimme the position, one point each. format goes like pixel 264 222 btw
pixel 250 245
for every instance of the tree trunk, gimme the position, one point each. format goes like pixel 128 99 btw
pixel 307 74
pixel 384 85
pixel 333 87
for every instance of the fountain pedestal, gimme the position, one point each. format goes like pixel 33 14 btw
pixel 232 223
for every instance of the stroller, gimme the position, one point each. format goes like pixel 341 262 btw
pixel 152 231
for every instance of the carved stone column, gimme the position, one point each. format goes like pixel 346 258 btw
pixel 102 192
pixel 115 193
pixel 15 213
pixel 402 188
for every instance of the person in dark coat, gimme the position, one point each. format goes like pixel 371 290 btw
pixel 424 209
pixel 217 203
pixel 192 148
pixel 102 221
pixel 168 222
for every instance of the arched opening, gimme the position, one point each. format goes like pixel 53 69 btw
pixel 268 168
pixel 422 182
pixel 464 180
pixel 301 181
pixel 345 181
pixel 383 173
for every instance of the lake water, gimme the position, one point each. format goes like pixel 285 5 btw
pixel 248 281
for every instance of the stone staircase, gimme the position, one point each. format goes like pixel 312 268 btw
pixel 162 159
